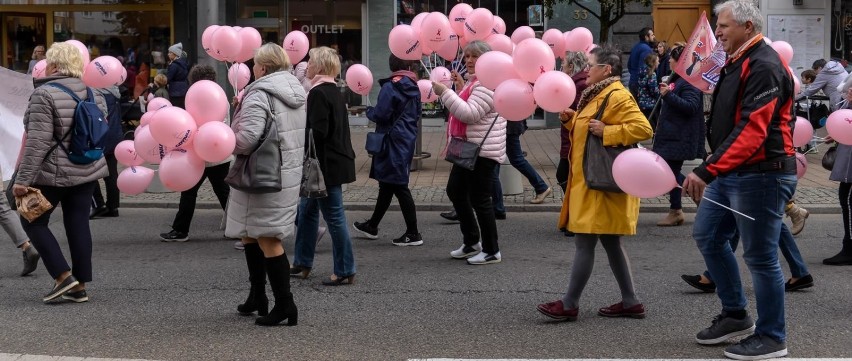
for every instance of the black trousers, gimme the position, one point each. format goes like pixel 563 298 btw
pixel 406 205
pixel 186 209
pixel 75 202
pixel 113 196
pixel 470 192
pixel 845 196
pixel 562 173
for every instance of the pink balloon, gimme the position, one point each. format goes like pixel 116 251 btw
pixel 435 30
pixel 125 153
pixel 296 45
pixel 251 41
pixel 500 42
pixel 441 75
pixel 797 84
pixel 417 21
pixel 146 118
pixel 493 68
pixel 214 142
pixel 839 125
pixel 499 26
pixel 173 127
pixel 532 57
pixel 103 72
pixel 578 39
pixel 427 94
pixel 150 97
pixel 522 33
pixel 458 15
pixel 784 50
pixel 801 165
pixel 450 49
pixel 359 79
pixel 404 42
pixel 642 173
pixel 181 170
pixel 146 147
pixel 425 49
pixel 589 49
pixel 239 75
pixel 463 41
pixel 513 99
pixel 803 132
pixel 84 51
pixel 556 41
pixel 554 91
pixel 39 69
pixel 226 43
pixel 240 95
pixel 135 180
pixel 207 38
pixel 478 24
pixel 206 101
pixel 157 104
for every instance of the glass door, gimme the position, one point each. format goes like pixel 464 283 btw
pixel 22 32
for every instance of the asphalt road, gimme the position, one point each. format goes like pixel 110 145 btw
pixel 176 301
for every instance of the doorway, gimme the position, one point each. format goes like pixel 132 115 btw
pixel 20 35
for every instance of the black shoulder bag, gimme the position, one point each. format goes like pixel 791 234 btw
pixel 463 153
pixel 377 142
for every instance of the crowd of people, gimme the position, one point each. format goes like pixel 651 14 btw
pixel 748 133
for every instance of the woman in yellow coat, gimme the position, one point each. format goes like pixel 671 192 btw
pixel 593 214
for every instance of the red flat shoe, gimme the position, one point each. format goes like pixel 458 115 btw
pixel 556 311
pixel 618 310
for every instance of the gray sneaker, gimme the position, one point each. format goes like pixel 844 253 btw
pixel 756 347
pixel 724 328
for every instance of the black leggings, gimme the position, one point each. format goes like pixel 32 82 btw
pixel 844 194
pixel 406 205
pixel 562 173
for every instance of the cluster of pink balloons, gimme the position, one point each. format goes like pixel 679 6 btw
pixel 103 72
pixel 642 173
pixel 230 43
pixel 179 140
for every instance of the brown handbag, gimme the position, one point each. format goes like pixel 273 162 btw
pixel 32 205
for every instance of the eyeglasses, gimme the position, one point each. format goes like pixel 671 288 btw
pixel 589 66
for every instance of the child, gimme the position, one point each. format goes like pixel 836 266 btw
pixel 159 87
pixel 649 90
pixel 808 76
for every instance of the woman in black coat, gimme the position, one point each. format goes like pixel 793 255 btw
pixel 680 132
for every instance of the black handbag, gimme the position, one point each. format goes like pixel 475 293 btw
pixel 463 153
pixel 598 159
pixel 313 183
pixel 828 158
pixel 259 171
pixel 377 142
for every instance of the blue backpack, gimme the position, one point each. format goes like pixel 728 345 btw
pixel 88 133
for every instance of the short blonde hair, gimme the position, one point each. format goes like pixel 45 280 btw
pixel 326 60
pixel 272 57
pixel 161 80
pixel 66 58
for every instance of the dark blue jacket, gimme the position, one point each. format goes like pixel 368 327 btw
pixel 680 127
pixel 399 98
pixel 115 134
pixel 176 74
pixel 637 60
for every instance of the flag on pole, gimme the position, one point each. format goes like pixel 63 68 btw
pixel 702 58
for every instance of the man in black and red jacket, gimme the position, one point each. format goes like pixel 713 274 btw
pixel 745 183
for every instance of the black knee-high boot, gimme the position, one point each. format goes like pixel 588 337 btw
pixel 256 300
pixel 278 270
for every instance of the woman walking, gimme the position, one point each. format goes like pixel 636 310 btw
pixel 594 214
pixel 396 114
pixel 842 172
pixel 263 220
pixel 472 117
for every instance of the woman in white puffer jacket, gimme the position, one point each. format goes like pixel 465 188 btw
pixel 471 116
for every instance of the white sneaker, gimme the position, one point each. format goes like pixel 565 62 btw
pixel 466 251
pixel 484 258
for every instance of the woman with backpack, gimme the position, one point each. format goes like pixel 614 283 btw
pixel 47 166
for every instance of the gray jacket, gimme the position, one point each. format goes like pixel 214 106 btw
pixel 842 170
pixel 271 214
pixel 827 80
pixel 51 114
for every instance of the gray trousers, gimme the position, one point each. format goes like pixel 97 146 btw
pixel 10 220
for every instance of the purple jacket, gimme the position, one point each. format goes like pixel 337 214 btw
pixel 580 84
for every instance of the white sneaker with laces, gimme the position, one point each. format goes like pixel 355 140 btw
pixel 466 251
pixel 484 258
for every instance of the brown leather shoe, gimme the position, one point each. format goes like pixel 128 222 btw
pixel 674 218
pixel 618 310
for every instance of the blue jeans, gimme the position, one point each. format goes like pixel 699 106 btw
pixel 516 157
pixel 675 194
pixel 789 249
pixel 335 219
pixel 497 193
pixel 762 196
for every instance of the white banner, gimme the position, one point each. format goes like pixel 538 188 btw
pixel 14 99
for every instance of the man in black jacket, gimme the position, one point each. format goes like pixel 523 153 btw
pixel 745 183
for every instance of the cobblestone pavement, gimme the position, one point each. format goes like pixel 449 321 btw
pixel 815 192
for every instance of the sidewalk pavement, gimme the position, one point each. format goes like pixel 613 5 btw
pixel 815 192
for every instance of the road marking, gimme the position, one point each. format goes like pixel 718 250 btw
pixel 612 359
pixel 23 357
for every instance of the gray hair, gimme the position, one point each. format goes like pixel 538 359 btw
pixel 742 11
pixel 577 59
pixel 477 47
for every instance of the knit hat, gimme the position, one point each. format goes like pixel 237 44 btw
pixel 176 49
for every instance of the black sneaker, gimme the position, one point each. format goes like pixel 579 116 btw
pixel 695 281
pixel 724 328
pixel 366 229
pixel 78 297
pixel 174 236
pixel 756 347
pixel 31 258
pixel 69 283
pixel 409 239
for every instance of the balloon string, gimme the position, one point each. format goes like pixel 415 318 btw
pixel 728 208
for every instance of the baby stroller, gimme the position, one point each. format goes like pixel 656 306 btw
pixel 131 113
pixel 816 111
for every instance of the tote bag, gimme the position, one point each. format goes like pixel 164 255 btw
pixel 313 183
pixel 259 171
pixel 597 159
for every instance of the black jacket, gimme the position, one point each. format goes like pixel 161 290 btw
pixel 330 124
pixel 680 127
pixel 751 119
